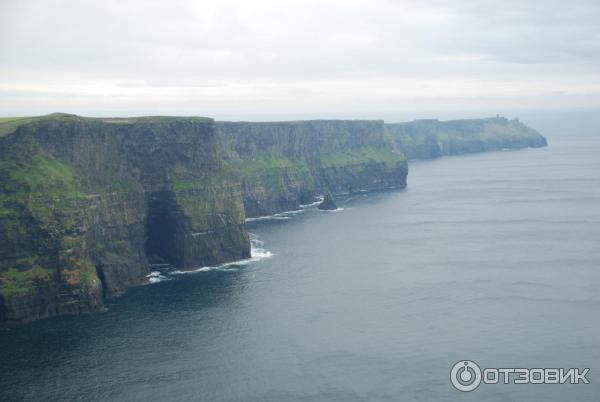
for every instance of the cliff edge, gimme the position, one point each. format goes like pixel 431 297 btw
pixel 284 165
pixel 426 139
pixel 86 202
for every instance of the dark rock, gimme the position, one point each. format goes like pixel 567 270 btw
pixel 328 203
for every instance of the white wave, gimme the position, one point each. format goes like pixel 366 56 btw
pixel 292 212
pixel 256 242
pixel 332 210
pixel 280 215
pixel 285 215
pixel 268 217
pixel 235 269
pixel 319 200
pixel 192 271
pixel 223 267
pixel 156 276
pixel 257 253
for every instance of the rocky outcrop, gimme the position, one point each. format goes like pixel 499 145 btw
pixel 426 139
pixel 86 202
pixel 283 165
pixel 327 204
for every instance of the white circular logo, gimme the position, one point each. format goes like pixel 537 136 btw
pixel 465 375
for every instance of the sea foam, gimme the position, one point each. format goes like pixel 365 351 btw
pixel 286 214
pixel 257 253
pixel 156 276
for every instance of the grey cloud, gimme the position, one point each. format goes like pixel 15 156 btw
pixel 253 45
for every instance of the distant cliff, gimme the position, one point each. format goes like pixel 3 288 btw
pixel 425 139
pixel 285 164
pixel 86 202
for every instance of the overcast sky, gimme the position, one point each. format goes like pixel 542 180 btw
pixel 235 59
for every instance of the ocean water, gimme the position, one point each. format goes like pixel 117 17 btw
pixel 490 257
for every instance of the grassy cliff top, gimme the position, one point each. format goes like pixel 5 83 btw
pixel 379 121
pixel 422 139
pixel 457 124
pixel 464 127
pixel 496 118
pixel 9 125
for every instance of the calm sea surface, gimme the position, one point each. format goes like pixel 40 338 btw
pixel 490 257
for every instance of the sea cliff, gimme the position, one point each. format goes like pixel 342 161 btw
pixel 86 203
pixel 426 139
pixel 283 165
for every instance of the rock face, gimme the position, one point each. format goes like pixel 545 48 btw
pixel 426 139
pixel 328 204
pixel 85 203
pixel 284 165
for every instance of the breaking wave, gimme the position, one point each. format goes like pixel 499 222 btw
pixel 257 253
pixel 156 276
pixel 319 200
pixel 268 217
pixel 332 210
pixel 286 214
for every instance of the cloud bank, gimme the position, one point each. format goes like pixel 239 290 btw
pixel 326 57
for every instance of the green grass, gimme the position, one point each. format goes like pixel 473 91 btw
pixel 362 155
pixel 183 179
pixel 9 125
pixel 17 282
pixel 156 119
pixel 4 120
pixel 48 177
pixel 76 267
pixel 81 272
pixel 265 161
pixel 44 185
